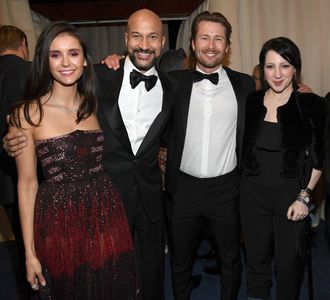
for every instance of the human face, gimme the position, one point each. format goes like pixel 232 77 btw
pixel 278 72
pixel 210 46
pixel 66 60
pixel 144 39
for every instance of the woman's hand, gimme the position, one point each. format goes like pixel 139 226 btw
pixel 297 211
pixel 34 273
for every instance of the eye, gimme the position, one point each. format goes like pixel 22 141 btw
pixel 54 54
pixel 269 66
pixel 286 66
pixel 135 35
pixel 74 53
pixel 154 37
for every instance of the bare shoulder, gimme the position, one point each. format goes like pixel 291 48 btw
pixel 26 116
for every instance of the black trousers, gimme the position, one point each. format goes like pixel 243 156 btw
pixel 327 212
pixel 215 199
pixel 268 233
pixel 149 244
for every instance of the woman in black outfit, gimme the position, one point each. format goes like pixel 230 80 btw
pixel 284 129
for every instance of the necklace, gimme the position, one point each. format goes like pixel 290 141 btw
pixel 63 108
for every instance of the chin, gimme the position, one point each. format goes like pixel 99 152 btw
pixel 144 66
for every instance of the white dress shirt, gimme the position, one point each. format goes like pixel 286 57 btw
pixel 138 107
pixel 210 142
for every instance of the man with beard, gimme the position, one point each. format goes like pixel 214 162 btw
pixel 203 151
pixel 133 111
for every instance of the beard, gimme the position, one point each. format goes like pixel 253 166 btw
pixel 209 63
pixel 139 66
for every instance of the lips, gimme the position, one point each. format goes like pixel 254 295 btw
pixel 278 83
pixel 143 55
pixel 210 54
pixel 67 72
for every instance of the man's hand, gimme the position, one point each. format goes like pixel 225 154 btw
pixel 304 88
pixel 14 142
pixel 112 61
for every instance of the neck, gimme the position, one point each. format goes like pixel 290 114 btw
pixel 13 52
pixel 280 97
pixel 66 96
pixel 208 70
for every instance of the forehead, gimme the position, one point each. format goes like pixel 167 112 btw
pixel 145 25
pixel 65 40
pixel 273 56
pixel 213 28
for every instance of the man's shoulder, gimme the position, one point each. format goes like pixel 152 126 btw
pixel 180 75
pixel 246 80
pixel 103 69
pixel 239 74
pixel 12 63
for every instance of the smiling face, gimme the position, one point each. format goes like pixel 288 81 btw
pixel 210 46
pixel 66 60
pixel 144 39
pixel 278 72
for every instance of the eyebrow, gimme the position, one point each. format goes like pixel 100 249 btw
pixel 137 32
pixel 71 49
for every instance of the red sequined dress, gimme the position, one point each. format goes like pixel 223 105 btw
pixel 81 232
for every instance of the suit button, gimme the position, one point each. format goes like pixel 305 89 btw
pixel 136 161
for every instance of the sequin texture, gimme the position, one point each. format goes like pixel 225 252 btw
pixel 82 237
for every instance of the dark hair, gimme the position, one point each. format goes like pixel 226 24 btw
pixel 40 81
pixel 11 37
pixel 171 60
pixel 288 50
pixel 207 16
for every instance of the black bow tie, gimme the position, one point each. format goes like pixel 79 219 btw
pixel 198 76
pixel 136 77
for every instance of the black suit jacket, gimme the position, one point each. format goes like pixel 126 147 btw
pixel 242 84
pixel 126 169
pixel 327 139
pixel 13 74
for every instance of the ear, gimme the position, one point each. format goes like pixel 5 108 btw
pixel 126 38
pixel 193 45
pixel 227 49
pixel 85 63
pixel 163 40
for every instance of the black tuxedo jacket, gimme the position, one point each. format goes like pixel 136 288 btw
pixel 13 74
pixel 126 169
pixel 242 84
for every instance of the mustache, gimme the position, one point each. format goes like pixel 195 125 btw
pixel 143 51
pixel 211 51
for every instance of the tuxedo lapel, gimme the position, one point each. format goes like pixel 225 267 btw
pixel 184 105
pixel 239 93
pixel 159 123
pixel 241 101
pixel 109 104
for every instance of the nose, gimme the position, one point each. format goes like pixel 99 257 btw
pixel 65 61
pixel 211 43
pixel 278 72
pixel 144 43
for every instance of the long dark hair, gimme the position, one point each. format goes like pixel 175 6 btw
pixel 288 50
pixel 40 81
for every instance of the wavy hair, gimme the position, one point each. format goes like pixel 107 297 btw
pixel 207 16
pixel 40 81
